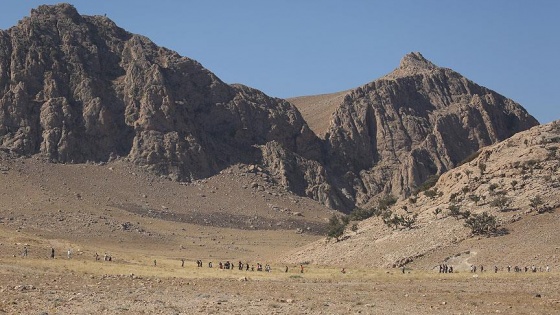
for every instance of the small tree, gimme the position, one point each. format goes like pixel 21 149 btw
pixel 454 211
pixel 386 202
pixel 360 214
pixel 482 224
pixel 408 221
pixel 535 202
pixel 482 167
pixel 500 202
pixel 474 198
pixel 432 193
pixel 336 227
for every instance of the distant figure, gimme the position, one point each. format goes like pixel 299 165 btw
pixel 547 268
pixel 209 264
pixel 24 251
pixel 52 252
pixel 96 256
pixel 495 269
pixel 286 269
pixel 301 268
pixel 402 269
pixel 182 262
pixel 155 263
pixel 69 253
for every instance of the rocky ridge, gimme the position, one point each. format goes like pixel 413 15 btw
pixel 78 88
pixel 503 180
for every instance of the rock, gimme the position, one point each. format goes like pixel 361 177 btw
pixel 157 109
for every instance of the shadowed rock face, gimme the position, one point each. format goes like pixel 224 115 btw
pixel 76 88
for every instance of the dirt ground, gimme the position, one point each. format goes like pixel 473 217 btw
pixel 238 215
pixel 83 286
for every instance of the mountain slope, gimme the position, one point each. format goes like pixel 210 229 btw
pixel 77 88
pixel 389 136
pixel 518 170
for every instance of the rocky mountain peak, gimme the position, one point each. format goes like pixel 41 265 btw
pixel 411 64
pixel 415 61
pixel 61 10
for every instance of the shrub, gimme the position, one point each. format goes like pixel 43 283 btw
pixel 408 221
pixel 454 211
pixel 500 202
pixel 432 193
pixel 336 227
pixel 482 167
pixel 493 186
pixel 360 214
pixel 482 224
pixel 536 202
pixel 474 198
pixel 386 202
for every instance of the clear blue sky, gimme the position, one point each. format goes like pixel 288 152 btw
pixel 304 47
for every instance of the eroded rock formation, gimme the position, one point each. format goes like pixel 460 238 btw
pixel 79 88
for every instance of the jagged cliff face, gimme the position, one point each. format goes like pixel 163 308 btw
pixel 77 88
pixel 390 135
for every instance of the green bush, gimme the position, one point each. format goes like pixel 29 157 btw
pixel 336 227
pixel 482 224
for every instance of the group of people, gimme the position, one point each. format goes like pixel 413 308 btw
pixel 240 266
pixel 445 269
pixel 533 268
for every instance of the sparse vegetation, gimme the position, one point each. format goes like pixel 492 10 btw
pixel 513 184
pixel 431 193
pixel 360 214
pixel 481 167
pixel 536 202
pixel 395 220
pixel 386 202
pixel 482 224
pixel 474 198
pixel 501 202
pixel 454 211
pixel 336 227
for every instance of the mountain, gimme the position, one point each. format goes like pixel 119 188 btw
pixel 516 180
pixel 78 88
pixel 389 136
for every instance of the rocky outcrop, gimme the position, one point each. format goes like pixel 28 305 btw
pixel 516 181
pixel 390 135
pixel 77 88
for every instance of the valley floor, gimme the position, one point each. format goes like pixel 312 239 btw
pixel 84 286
